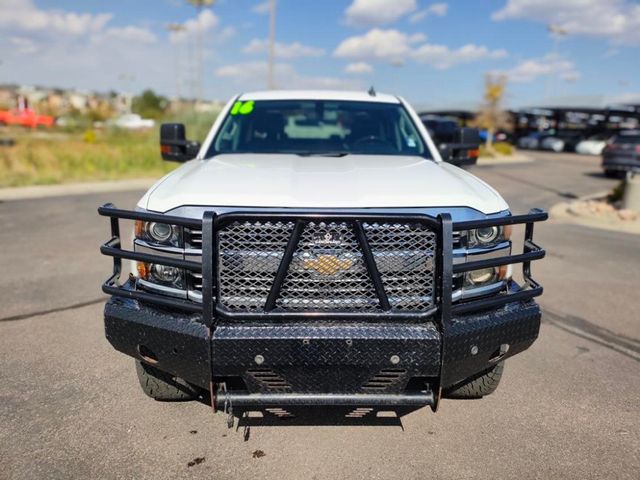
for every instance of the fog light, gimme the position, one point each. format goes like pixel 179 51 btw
pixel 481 277
pixel 165 274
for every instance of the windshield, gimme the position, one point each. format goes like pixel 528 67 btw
pixel 318 127
pixel 627 139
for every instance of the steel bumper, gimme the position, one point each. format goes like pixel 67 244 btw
pixel 321 363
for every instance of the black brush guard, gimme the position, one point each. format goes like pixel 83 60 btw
pixel 456 325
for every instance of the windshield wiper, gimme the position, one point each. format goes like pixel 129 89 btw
pixel 322 154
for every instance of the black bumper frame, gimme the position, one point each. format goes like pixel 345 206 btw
pixel 205 343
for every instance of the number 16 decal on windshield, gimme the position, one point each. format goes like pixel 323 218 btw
pixel 242 108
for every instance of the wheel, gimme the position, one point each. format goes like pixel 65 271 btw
pixel 163 386
pixel 612 173
pixel 482 384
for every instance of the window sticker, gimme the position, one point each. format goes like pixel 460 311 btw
pixel 242 108
pixel 411 143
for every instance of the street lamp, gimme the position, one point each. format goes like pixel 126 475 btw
pixel 199 4
pixel 557 32
pixel 272 42
pixel 127 80
pixel 177 28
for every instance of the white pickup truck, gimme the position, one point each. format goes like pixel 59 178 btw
pixel 316 251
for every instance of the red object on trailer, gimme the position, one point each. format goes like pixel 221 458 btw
pixel 26 118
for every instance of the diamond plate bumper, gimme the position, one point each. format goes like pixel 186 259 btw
pixel 321 359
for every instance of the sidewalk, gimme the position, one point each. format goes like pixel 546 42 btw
pixel 517 157
pixel 42 191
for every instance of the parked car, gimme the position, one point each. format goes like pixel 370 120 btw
pixel 622 153
pixel 26 118
pixel 561 142
pixel 594 145
pixel 454 148
pixel 552 143
pixel 532 141
pixel 290 265
pixel 133 121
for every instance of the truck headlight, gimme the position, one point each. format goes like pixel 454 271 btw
pixel 159 233
pixel 488 236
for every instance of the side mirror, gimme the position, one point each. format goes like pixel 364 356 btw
pixel 174 145
pixel 445 151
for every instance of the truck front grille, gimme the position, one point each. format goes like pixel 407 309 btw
pixel 327 272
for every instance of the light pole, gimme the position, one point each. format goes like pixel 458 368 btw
pixel 199 4
pixel 127 80
pixel 272 43
pixel 177 28
pixel 557 32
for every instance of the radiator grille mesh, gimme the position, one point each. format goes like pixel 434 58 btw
pixel 328 272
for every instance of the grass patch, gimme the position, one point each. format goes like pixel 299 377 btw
pixel 44 157
pixel 499 148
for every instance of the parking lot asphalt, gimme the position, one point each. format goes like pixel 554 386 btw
pixel 70 406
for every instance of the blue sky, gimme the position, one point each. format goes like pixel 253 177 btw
pixel 435 53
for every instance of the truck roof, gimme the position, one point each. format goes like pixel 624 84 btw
pixel 354 96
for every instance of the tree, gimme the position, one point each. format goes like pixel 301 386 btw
pixel 150 105
pixel 491 115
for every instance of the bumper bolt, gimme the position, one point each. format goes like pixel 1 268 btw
pixel 259 359
pixel 395 359
pixel 474 350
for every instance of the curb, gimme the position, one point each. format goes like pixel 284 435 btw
pixel 44 191
pixel 560 212
pixel 505 159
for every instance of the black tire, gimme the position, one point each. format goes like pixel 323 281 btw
pixel 477 387
pixel 612 174
pixel 163 386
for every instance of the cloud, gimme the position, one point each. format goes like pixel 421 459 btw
pixel 389 45
pixel 625 98
pixel 358 68
pixel 442 57
pixel 23 45
pixel 226 33
pixel 24 16
pixel 396 47
pixel 262 8
pixel 283 50
pixel 549 65
pixel 129 33
pixel 254 75
pixel 81 50
pixel 378 12
pixel 204 22
pixel 615 20
pixel 435 9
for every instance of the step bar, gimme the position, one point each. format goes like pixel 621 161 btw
pixel 261 400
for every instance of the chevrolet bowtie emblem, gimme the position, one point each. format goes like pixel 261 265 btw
pixel 327 264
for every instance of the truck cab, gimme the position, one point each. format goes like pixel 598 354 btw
pixel 315 251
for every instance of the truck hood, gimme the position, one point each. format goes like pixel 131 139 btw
pixel 292 181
